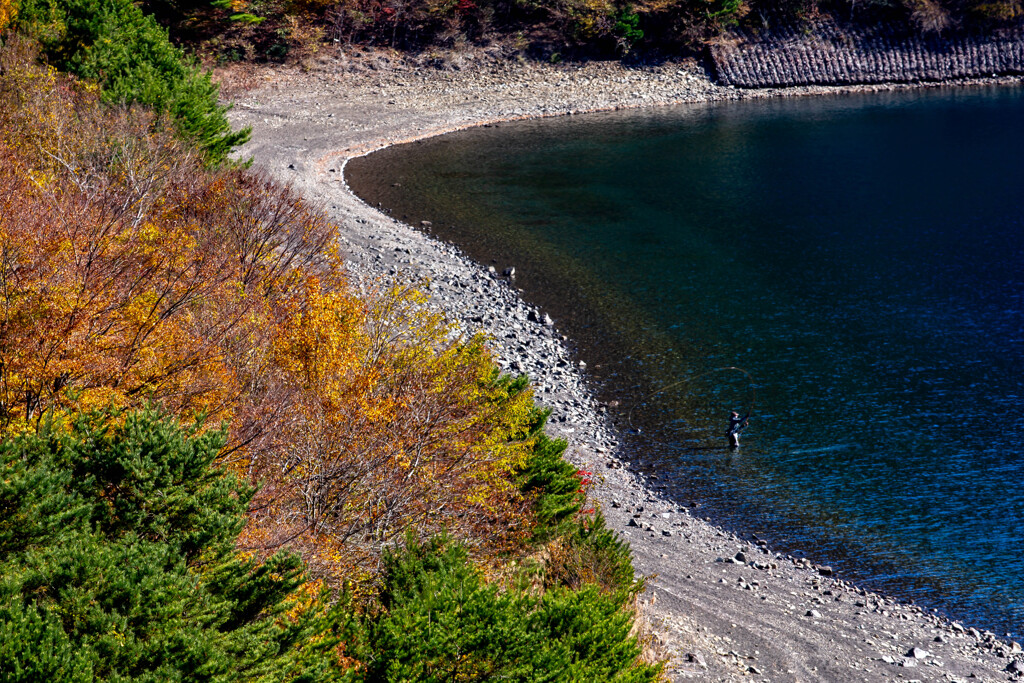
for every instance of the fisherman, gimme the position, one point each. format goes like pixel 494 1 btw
pixel 736 425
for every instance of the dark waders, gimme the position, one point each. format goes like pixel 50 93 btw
pixel 736 425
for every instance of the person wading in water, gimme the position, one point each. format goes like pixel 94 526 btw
pixel 736 425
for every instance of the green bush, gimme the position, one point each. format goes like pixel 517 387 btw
pixel 592 554
pixel 585 551
pixel 555 484
pixel 118 563
pixel 440 621
pixel 132 59
pixel 627 29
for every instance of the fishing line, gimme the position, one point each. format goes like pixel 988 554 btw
pixel 643 401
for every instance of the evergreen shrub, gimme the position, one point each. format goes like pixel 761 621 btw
pixel 583 550
pixel 592 554
pixel 554 483
pixel 133 60
pixel 117 552
pixel 440 621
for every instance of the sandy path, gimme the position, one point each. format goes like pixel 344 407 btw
pixel 760 617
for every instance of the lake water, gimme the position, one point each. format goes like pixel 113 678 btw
pixel 860 258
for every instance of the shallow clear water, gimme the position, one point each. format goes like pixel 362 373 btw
pixel 860 257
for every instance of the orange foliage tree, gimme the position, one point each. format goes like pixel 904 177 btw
pixel 396 421
pixel 127 273
pixel 8 8
pixel 132 274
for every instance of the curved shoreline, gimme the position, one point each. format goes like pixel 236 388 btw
pixel 763 616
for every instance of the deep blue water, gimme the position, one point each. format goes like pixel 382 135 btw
pixel 861 257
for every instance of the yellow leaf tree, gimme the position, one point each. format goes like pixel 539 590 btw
pixel 132 274
pixel 8 9
pixel 397 423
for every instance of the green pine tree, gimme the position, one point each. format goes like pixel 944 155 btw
pixel 553 481
pixel 132 58
pixel 118 563
pixel 440 621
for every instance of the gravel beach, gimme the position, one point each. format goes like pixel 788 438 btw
pixel 721 608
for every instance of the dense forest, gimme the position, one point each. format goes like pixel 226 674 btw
pixel 281 30
pixel 217 460
pixel 293 30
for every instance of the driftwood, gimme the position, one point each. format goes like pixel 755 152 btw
pixel 833 54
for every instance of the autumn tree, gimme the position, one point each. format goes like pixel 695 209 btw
pixel 8 9
pixel 130 273
pixel 396 422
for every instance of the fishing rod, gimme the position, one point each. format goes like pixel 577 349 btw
pixel 750 407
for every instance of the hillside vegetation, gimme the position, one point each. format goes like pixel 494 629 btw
pixel 129 55
pixel 99 38
pixel 128 50
pixel 220 463
pixel 281 30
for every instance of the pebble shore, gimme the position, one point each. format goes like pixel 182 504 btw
pixel 720 607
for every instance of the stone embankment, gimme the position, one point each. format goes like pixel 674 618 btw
pixel 829 53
